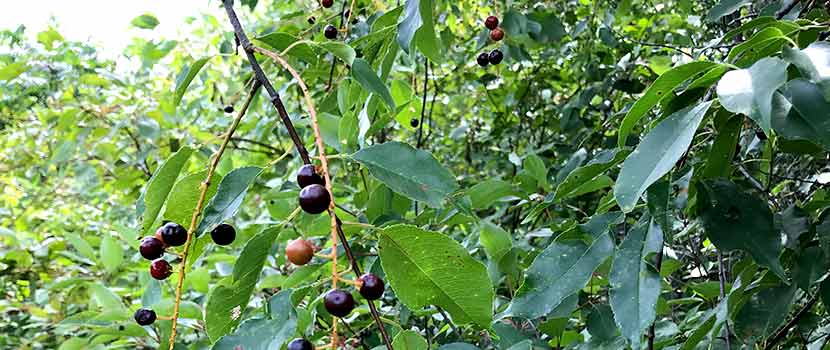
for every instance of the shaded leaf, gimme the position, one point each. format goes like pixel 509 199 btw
pixel 363 73
pixel 158 188
pixel 736 220
pixel 590 172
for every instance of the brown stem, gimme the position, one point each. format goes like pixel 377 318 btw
pixel 782 333
pixel 198 210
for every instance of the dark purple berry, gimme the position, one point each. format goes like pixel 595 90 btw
pixel 414 122
pixel 330 32
pixel 314 199
pixel 327 3
pixel 483 59
pixel 492 22
pixel 371 286
pixel 307 175
pixel 223 234
pixel 228 109
pixel 300 344
pixel 311 20
pixel 339 302
pixel 173 234
pixel 495 56
pixel 144 317
pixel 151 248
pixel 160 269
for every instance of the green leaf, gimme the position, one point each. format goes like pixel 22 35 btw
pixel 410 24
pixel 756 44
pixel 82 246
pixel 725 7
pixel 185 193
pixel 49 37
pixel 719 161
pixel 106 299
pixel 495 240
pixel 411 172
pixel 802 113
pixel 409 340
pixel 809 266
pixel 302 49
pixel 363 73
pixel 13 70
pixel 662 88
pixel 426 39
pixel 429 268
pixel 232 297
pixel 458 346
pixel 813 62
pixel 145 21
pixel 589 173
pixel 259 334
pixel 232 190
pixel 749 91
pixel 600 323
pixel 184 78
pixel 635 283
pixel 736 220
pixel 536 168
pixel 111 253
pixel 485 193
pixel 763 313
pixel 339 50
pixel 159 186
pixel 563 268
pixel 657 153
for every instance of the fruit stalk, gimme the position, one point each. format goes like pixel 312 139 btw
pixel 196 212
pixel 321 151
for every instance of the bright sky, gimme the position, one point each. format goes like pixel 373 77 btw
pixel 105 23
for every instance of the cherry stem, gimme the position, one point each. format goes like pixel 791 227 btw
pixel 198 210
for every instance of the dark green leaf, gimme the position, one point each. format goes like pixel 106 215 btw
pixel 232 190
pixel 411 172
pixel 736 220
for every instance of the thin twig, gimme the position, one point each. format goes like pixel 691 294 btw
pixel 722 282
pixel 198 210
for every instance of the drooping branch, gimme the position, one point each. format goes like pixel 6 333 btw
pixel 263 79
pixel 194 219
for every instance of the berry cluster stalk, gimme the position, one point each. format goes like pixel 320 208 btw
pixel 198 210
pixel 337 232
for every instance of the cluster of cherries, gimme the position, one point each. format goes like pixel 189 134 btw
pixel 314 199
pixel 496 34
pixel 152 248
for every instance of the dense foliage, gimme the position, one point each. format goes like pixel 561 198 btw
pixel 608 175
